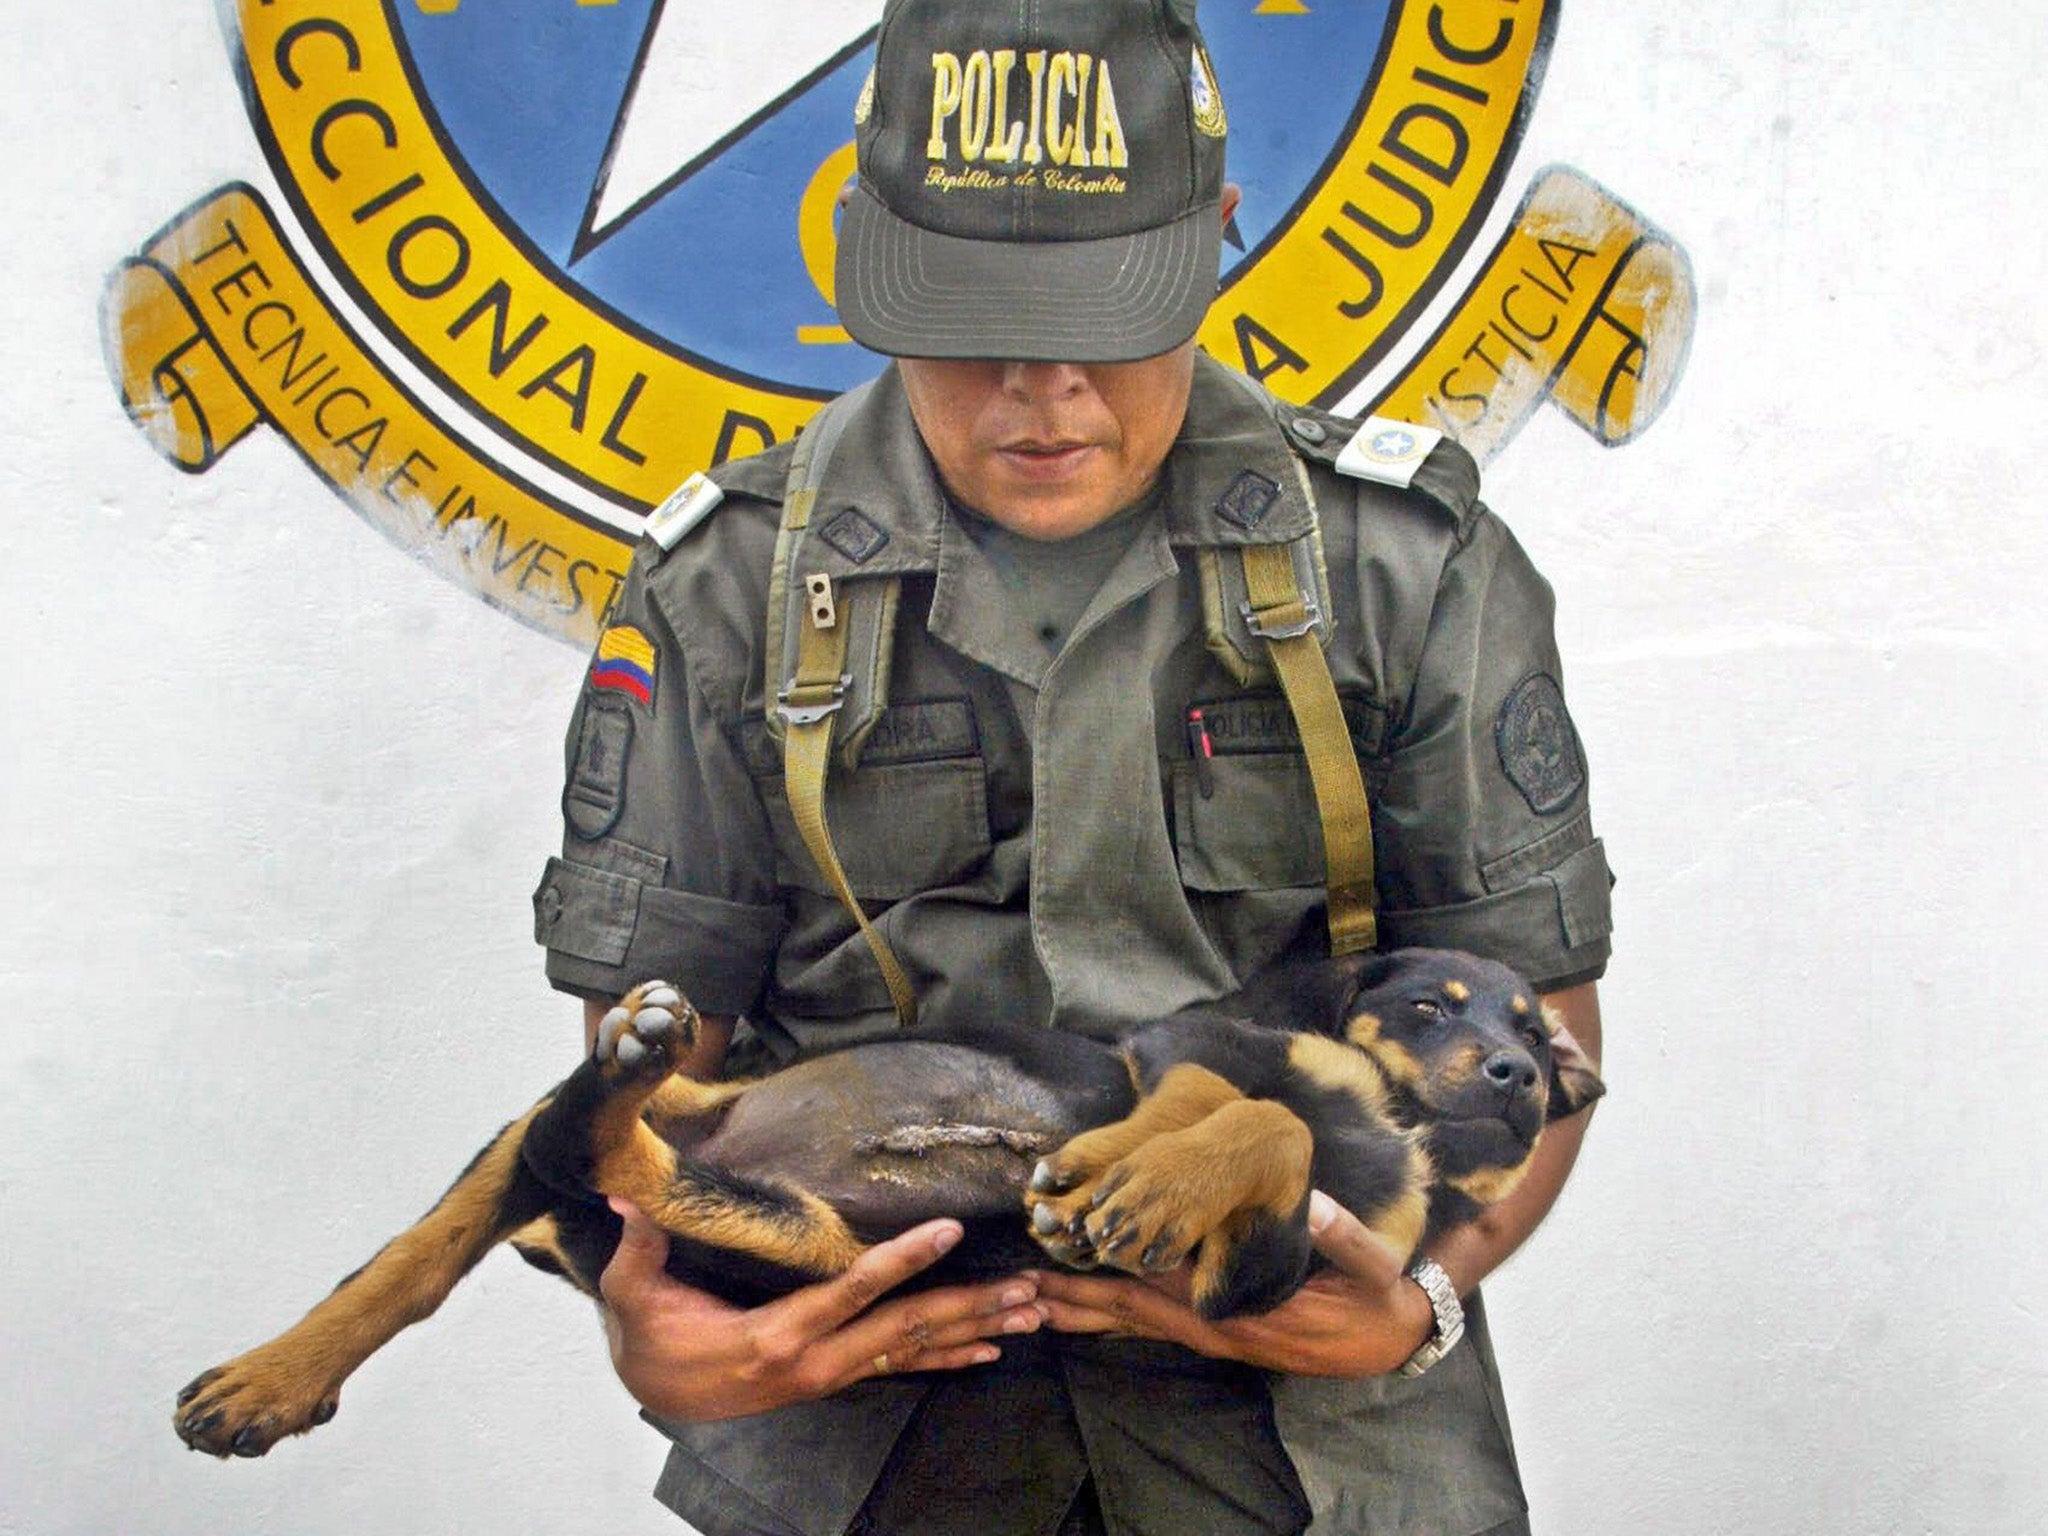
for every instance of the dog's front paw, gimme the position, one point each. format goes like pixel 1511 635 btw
pixel 245 1407
pixel 650 1030
pixel 1143 1213
pixel 1068 1189
pixel 1058 1200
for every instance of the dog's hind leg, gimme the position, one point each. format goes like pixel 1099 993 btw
pixel 595 1138
pixel 293 1383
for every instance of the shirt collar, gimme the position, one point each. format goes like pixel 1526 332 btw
pixel 1231 479
pixel 1234 479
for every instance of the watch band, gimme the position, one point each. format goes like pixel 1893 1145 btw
pixel 1450 1316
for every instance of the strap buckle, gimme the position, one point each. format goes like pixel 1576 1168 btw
pixel 1266 629
pixel 807 704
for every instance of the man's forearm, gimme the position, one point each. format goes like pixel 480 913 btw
pixel 1471 1252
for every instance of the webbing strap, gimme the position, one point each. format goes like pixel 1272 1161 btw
pixel 805 702
pixel 1281 614
pixel 808 708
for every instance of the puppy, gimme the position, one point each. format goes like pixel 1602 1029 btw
pixel 1411 1087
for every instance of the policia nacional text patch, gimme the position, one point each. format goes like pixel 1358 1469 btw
pixel 1539 749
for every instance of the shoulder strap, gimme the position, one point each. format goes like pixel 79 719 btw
pixel 1282 611
pixel 811 633
pixel 1286 605
pixel 868 607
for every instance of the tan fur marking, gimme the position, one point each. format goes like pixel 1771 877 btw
pixel 1457 991
pixel 1185 1095
pixel 1342 1069
pixel 815 1240
pixel 277 1388
pixel 1467 1064
pixel 1488 1185
pixel 1250 1157
pixel 1212 1259
pixel 638 1166
pixel 1363 1028
pixel 678 1099
pixel 541 1235
pixel 1520 1006
pixel 634 1162
pixel 1400 1224
pixel 1402 1065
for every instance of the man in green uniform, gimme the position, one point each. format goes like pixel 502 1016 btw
pixel 1066 785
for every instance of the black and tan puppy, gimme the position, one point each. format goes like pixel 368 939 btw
pixel 1411 1087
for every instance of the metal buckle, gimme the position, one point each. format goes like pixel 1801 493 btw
pixel 1264 631
pixel 811 714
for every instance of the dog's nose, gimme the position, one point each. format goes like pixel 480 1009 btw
pixel 1510 1070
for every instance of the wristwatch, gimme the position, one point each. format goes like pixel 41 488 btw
pixel 1450 1316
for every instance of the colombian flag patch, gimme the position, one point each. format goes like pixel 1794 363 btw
pixel 624 663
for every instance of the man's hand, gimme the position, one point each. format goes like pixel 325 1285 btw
pixel 1359 1317
pixel 687 1355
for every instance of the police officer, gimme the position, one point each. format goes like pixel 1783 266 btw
pixel 1065 785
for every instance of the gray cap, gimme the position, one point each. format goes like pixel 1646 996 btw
pixel 1039 180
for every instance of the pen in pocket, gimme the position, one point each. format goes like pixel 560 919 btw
pixel 1201 749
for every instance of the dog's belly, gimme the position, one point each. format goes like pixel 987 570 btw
pixel 896 1132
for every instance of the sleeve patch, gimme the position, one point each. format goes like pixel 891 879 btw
pixel 624 663
pixel 1539 749
pixel 595 796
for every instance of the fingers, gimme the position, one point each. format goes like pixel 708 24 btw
pixel 941 1329
pixel 641 1256
pixel 937 1330
pixel 874 1274
pixel 1089 1304
pixel 1351 1247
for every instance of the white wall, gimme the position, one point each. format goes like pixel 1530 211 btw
pixel 274 800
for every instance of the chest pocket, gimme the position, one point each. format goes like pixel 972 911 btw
pixel 913 816
pixel 1245 814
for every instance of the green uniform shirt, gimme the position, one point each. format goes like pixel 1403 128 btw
pixel 1036 828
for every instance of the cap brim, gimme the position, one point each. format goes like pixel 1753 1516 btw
pixel 908 292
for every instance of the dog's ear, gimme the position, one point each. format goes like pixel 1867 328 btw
pixel 1574 1083
pixel 1310 994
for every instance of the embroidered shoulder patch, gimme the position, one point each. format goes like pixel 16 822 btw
pixel 857 537
pixel 595 795
pixel 624 663
pixel 1539 749
pixel 1247 500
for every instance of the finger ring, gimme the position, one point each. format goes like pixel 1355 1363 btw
pixel 882 1364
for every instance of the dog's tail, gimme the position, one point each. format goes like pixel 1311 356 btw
pixel 293 1383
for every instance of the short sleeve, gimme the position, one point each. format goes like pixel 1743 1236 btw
pixel 666 866
pixel 1483 827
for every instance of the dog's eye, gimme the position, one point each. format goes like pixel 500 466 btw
pixel 1427 1006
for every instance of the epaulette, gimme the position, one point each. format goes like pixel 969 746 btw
pixel 759 476
pixel 1388 452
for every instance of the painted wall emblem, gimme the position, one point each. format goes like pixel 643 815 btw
pixel 528 264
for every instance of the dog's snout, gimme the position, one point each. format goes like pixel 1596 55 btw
pixel 1510 1071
